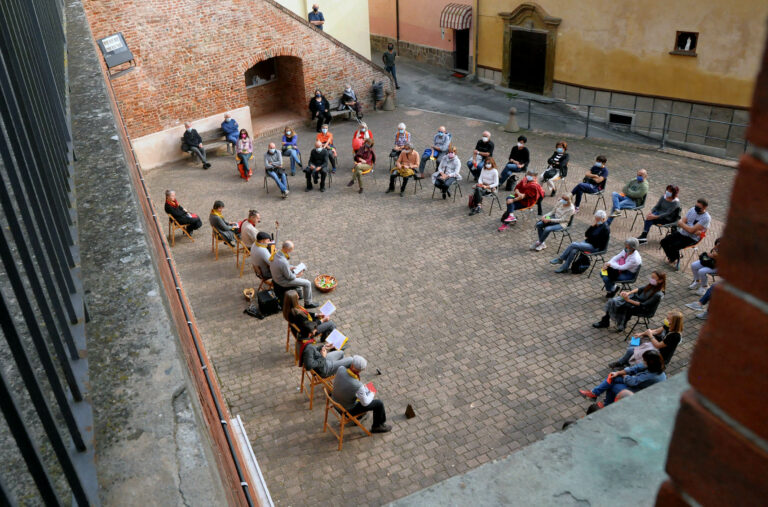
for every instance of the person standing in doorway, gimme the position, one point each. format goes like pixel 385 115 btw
pixel 389 62
pixel 316 18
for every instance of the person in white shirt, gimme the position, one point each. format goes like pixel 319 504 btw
pixel 356 398
pixel 447 172
pixel 487 183
pixel 622 266
pixel 248 229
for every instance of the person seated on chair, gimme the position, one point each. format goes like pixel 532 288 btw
pixel 364 160
pixel 362 134
pixel 405 167
pixel 320 109
pixel 557 165
pixel 701 304
pixel 248 231
pixel 556 220
pixel 260 254
pixel 631 196
pixel 355 397
pixel 402 138
pixel 665 339
pixel 622 266
pixel 191 142
pixel 480 155
pixel 349 101
pixel 448 172
pixel 691 230
pixel 244 151
pixel 527 193
pixel 440 145
pixel 226 229
pixel 595 240
pixel 283 275
pixel 323 359
pixel 317 167
pixel 594 180
pixel 666 211
pixel 487 183
pixel 326 138
pixel 634 378
pixel 310 325
pixel 633 302
pixel 273 164
pixel 230 129
pixel 706 265
pixel 190 221
pixel 290 148
pixel 519 157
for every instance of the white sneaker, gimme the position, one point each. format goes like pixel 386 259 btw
pixel 693 285
pixel 702 315
pixel 695 306
pixel 541 247
pixel 535 246
pixel 615 214
pixel 701 291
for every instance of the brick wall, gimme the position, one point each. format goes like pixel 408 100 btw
pixel 191 57
pixel 719 449
pixel 433 56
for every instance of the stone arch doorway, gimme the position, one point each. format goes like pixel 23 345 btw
pixel 274 86
pixel 530 34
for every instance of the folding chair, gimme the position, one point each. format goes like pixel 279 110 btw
pixel 594 258
pixel 565 231
pixel 217 238
pixel 241 247
pixel 560 183
pixel 262 281
pixel 645 316
pixel 344 418
pixel 455 188
pixel 173 226
pixel 314 380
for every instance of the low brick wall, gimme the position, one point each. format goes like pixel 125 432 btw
pixel 417 52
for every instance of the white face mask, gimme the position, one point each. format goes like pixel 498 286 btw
pixel 325 131
pixel 319 148
pixel 520 145
pixel 485 139
pixel 271 150
pixel 288 133
pixel 563 202
pixel 189 129
pixel 529 177
pixel 348 90
pixel 668 194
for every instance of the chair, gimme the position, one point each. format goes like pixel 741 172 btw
pixel 173 226
pixel 416 181
pixel 600 197
pixel 565 231
pixel 638 211
pixel 372 171
pixel 241 247
pixel 669 228
pixel 494 196
pixel 263 281
pixel 217 238
pixel 627 284
pixel 455 188
pixel 646 316
pixel 594 257
pixel 526 213
pixel 292 330
pixel 693 249
pixel 344 418
pixel 268 177
pixel 314 380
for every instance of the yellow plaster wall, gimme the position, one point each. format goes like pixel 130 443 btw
pixel 625 46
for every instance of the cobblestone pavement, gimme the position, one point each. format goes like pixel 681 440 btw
pixel 478 333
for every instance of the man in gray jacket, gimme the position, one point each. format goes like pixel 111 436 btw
pixel 273 164
pixel 283 275
pixel 354 396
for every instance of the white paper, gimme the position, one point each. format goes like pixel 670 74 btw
pixel 327 309
pixel 336 339
pixel 298 269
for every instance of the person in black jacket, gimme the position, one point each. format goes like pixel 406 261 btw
pixel 182 216
pixel 483 151
pixel 308 323
pixel 192 142
pixel 558 166
pixel 596 240
pixel 320 109
pixel 317 167
pixel 323 360
pixel 519 157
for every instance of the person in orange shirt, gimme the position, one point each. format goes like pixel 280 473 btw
pixel 326 138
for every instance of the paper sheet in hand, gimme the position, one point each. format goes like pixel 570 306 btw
pixel 298 269
pixel 336 339
pixel 635 341
pixel 327 309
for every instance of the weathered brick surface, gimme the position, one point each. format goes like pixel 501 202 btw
pixel 191 57
pixel 465 323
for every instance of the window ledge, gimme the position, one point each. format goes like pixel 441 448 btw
pixel 683 53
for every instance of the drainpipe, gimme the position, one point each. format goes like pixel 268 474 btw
pixel 397 24
pixel 477 31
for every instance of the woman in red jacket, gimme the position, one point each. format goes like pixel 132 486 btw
pixel 527 193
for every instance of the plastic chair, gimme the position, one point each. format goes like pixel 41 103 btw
pixel 173 226
pixel 416 181
pixel 344 418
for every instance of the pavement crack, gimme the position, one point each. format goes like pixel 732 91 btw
pixel 178 403
pixel 575 500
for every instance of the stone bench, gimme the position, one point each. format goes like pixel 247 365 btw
pixel 214 139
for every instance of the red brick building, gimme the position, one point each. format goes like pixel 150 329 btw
pixel 192 60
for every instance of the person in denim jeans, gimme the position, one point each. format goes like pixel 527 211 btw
pixel 634 378
pixel 595 240
pixel 291 148
pixel 273 164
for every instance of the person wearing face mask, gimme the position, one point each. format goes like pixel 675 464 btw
pixel 706 265
pixel 349 101
pixel 273 165
pixel 594 180
pixel 440 144
pixel 406 165
pixel 483 150
pixel 448 172
pixel 622 266
pixel 360 136
pixel 283 274
pixel 630 303
pixel 245 154
pixel 595 240
pixel 554 221
pixel 365 158
pixel 519 157
pixel 635 378
pixel 487 183
pixel 691 230
pixel 290 148
pixel 230 129
pixel 389 62
pixel 316 18
pixel 527 193
pixel 631 196
pixel 326 138
pixel 557 166
pixel 317 167
pixel 402 139
pixel 665 339
pixel 320 109
pixel 666 211
pixel 191 142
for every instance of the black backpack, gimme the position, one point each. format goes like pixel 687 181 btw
pixel 268 302
pixel 580 264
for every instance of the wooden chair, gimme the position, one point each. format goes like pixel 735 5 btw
pixel 344 418
pixel 217 238
pixel 293 330
pixel 263 282
pixel 173 226
pixel 314 380
pixel 241 247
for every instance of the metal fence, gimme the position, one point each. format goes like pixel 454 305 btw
pixel 42 311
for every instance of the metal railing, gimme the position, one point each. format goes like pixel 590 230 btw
pixel 42 309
